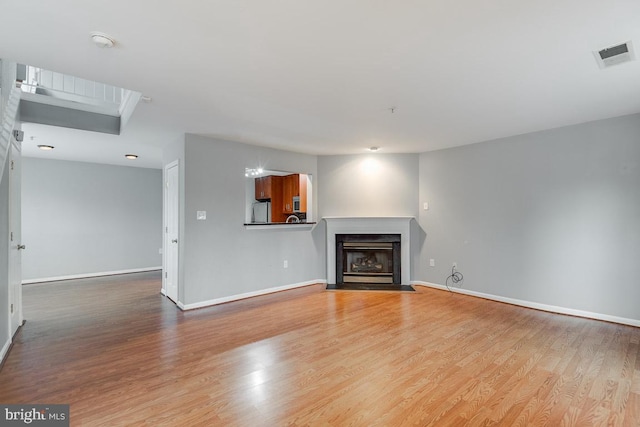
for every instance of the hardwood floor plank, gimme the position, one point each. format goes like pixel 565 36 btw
pixel 121 354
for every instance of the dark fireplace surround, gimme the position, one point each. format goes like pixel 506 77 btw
pixel 368 258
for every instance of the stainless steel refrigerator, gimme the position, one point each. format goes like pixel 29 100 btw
pixel 261 212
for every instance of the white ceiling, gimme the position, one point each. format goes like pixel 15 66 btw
pixel 321 76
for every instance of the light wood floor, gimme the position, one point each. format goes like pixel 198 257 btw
pixel 121 354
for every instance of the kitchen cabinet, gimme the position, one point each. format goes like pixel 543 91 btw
pixel 264 187
pixel 290 189
pixel 303 192
pixel 276 199
pixel 294 185
pixel 269 188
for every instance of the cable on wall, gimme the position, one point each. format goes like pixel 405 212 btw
pixel 455 277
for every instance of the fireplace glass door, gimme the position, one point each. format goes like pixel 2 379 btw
pixel 367 262
pixel 368 258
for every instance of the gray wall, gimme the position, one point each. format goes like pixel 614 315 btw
pixel 550 217
pixel 221 257
pixel 368 185
pixel 84 218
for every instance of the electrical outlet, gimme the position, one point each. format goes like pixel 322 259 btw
pixel 432 262
pixel 285 264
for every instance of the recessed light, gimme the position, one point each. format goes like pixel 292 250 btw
pixel 374 149
pixel 102 39
pixel 131 156
pixel 46 147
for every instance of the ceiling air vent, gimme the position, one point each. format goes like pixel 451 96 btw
pixel 615 55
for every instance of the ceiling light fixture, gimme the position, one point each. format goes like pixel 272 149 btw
pixel 253 172
pixel 102 39
pixel 46 147
pixel 374 149
pixel 131 156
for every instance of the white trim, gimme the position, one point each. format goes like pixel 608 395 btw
pixel 163 292
pixel 5 350
pixel 87 275
pixel 248 295
pixel 535 305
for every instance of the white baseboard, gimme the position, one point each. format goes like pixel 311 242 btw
pixel 163 292
pixel 87 275
pixel 5 349
pixel 247 295
pixel 535 305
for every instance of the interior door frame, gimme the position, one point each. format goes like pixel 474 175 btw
pixel 167 240
pixel 15 240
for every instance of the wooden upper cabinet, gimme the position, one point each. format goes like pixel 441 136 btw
pixel 264 188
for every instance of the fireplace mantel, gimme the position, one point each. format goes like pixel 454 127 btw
pixel 369 225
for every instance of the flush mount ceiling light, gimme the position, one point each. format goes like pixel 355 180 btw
pixel 46 147
pixel 102 39
pixel 131 156
pixel 374 149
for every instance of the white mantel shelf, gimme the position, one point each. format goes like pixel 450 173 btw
pixel 369 225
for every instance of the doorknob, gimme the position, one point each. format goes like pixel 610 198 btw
pixel 174 241
pixel 21 247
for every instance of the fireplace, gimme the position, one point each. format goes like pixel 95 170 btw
pixel 367 226
pixel 368 258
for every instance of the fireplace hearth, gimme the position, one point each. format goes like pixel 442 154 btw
pixel 368 259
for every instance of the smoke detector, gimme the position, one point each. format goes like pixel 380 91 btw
pixel 102 39
pixel 614 55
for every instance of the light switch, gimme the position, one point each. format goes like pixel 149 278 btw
pixel 425 206
pixel 201 215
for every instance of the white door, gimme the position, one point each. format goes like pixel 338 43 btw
pixel 172 191
pixel 15 236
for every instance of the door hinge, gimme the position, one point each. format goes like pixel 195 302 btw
pixel 11 308
pixel 12 164
pixel 165 275
pixel 166 229
pixel 12 236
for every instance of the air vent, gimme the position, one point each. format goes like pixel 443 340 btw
pixel 614 55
